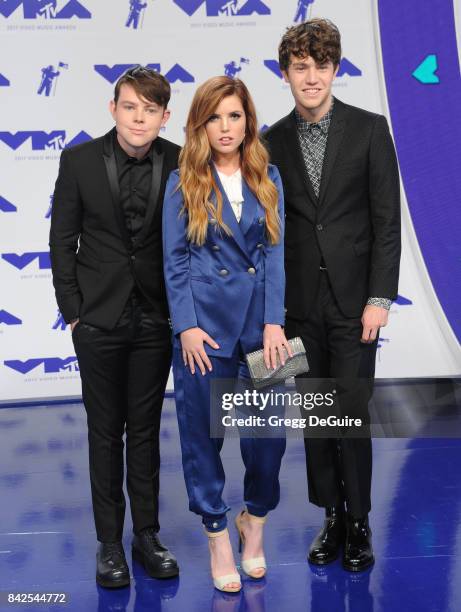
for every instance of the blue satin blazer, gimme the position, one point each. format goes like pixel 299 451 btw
pixel 231 285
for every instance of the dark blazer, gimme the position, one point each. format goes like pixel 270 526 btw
pixel 95 266
pixel 354 224
pixel 231 285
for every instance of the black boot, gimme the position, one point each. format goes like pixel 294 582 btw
pixel 358 552
pixel 325 547
pixel 153 556
pixel 111 567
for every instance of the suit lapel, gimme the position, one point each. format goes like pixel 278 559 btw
pixel 294 152
pixel 156 181
pixel 335 137
pixel 249 208
pixel 230 219
pixel 111 169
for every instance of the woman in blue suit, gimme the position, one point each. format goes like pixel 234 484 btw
pixel 223 222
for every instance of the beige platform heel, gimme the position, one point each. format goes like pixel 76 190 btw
pixel 250 566
pixel 222 582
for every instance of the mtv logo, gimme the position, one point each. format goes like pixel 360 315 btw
pixel 403 301
pixel 21 261
pixel 45 9
pixel 113 73
pixel 42 141
pixel 4 82
pixel 8 319
pixel 229 8
pixel 347 67
pixel 6 206
pixel 52 365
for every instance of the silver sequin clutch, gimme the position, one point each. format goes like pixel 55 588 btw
pixel 263 376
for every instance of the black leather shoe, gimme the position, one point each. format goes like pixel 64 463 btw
pixel 111 567
pixel 153 556
pixel 358 552
pixel 325 547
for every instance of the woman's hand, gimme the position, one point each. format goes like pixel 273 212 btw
pixel 274 340
pixel 193 351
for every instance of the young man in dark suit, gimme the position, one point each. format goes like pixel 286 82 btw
pixel 106 255
pixel 342 253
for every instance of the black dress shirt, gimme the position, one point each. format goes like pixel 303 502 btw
pixel 134 179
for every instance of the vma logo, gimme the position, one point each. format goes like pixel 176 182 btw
pixel 45 9
pixel 6 206
pixel 221 8
pixel 51 365
pixel 303 11
pixel 4 82
pixel 22 261
pixel 232 68
pixel 136 14
pixel 345 68
pixel 42 141
pixel 49 79
pixel 9 319
pixel 113 73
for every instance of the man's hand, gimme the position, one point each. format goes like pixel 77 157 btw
pixel 73 324
pixel 193 351
pixel 373 318
pixel 274 340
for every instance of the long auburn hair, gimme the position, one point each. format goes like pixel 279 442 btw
pixel 196 177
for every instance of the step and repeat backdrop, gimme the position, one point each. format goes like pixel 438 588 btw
pixel 59 60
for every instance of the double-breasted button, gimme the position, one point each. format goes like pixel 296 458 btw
pixel 261 220
pixel 215 247
pixel 251 271
pixel 224 272
pixel 133 257
pixel 320 227
pixel 259 245
pixel 212 221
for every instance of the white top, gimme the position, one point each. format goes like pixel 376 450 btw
pixel 233 187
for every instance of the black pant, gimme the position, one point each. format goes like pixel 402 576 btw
pixel 124 373
pixel 338 470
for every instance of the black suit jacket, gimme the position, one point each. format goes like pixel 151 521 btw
pixel 354 224
pixel 95 266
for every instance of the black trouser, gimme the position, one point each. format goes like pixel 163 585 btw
pixel 124 373
pixel 338 470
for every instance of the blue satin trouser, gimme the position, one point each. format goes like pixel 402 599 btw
pixel 203 469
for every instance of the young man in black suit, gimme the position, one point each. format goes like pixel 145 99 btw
pixel 106 255
pixel 342 253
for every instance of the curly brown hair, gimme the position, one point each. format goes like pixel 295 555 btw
pixel 317 38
